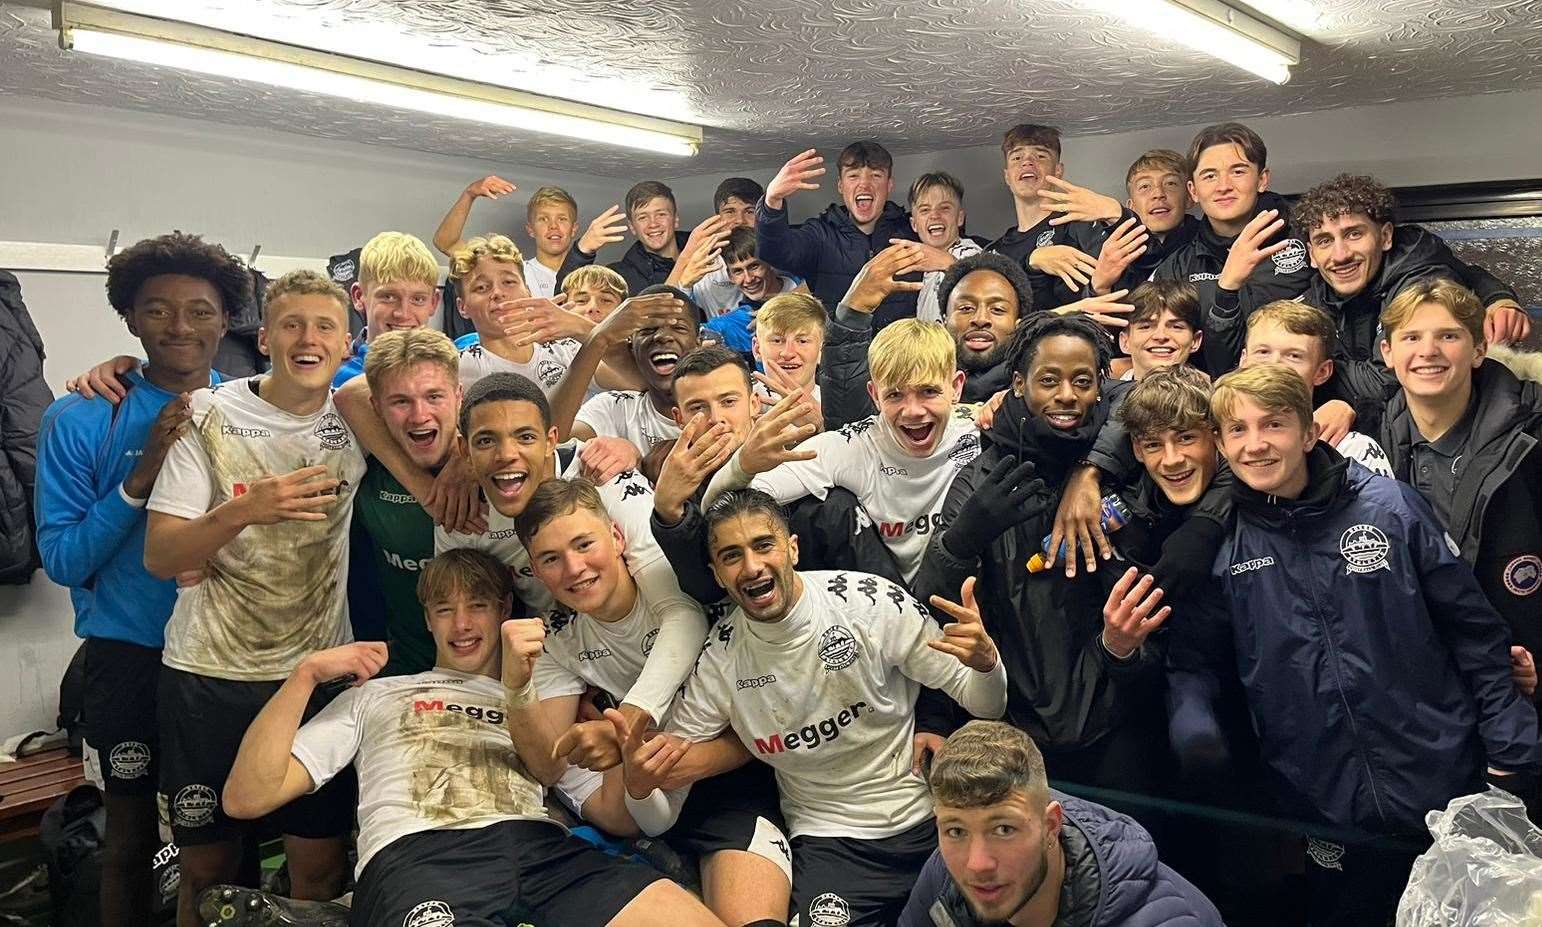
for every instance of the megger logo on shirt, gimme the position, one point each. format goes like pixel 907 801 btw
pixel 810 736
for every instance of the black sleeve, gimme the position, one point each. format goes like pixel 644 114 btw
pixel 843 372
pixel 941 573
pixel 1489 288
pixel 685 547
pixel 571 262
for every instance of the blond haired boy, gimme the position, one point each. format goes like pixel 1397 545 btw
pixel 397 289
pixel 594 291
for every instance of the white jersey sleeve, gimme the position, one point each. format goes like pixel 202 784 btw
pixel 833 465
pixel 983 695
pixel 552 676
pixel 1364 448
pixel 602 413
pixel 704 708
pixel 327 743
pixel 185 486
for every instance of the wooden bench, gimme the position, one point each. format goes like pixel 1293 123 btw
pixel 29 785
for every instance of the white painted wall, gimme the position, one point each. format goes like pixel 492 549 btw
pixel 73 173
pixel 1488 137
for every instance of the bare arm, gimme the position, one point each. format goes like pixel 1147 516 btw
pixel 447 238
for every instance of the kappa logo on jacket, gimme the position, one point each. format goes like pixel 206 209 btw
pixel 1364 548
pixel 1248 566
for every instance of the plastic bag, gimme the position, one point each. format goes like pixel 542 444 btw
pixel 1484 869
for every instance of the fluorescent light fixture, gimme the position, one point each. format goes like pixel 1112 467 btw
pixel 187 47
pixel 1214 28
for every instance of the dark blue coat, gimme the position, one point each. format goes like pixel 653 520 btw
pixel 829 249
pixel 1377 674
pixel 1112 879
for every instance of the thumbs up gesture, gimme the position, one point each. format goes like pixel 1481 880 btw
pixel 965 637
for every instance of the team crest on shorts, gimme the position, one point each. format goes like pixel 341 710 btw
pixel 1289 259
pixel 837 648
pixel 331 432
pixel 1046 238
pixel 194 806
pixel 129 760
pixel 1325 854
pixel 430 914
pixel 829 910
pixel 1523 575
pixel 1364 548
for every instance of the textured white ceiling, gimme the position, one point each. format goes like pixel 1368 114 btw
pixel 771 77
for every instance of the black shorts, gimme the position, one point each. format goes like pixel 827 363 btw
pixel 481 876
pixel 846 882
pixel 120 729
pixel 202 722
pixel 739 810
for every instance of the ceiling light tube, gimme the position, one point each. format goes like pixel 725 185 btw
pixel 1216 29
pixel 187 47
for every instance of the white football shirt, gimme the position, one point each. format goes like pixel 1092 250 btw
pixel 627 414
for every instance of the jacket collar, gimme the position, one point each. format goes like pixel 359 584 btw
pixel 1326 491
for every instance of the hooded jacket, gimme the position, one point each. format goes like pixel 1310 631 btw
pixel 1113 878
pixel 640 267
pixel 1064 688
pixel 23 397
pixel 1360 378
pixel 828 251
pixel 1285 275
pixel 1377 674
pixel 1497 511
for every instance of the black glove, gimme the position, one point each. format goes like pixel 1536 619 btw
pixel 1188 555
pixel 1009 495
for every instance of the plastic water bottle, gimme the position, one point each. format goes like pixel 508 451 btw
pixel 1115 515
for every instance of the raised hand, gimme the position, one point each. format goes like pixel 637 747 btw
pixel 491 186
pixel 1506 323
pixel 604 458
pixel 1079 523
pixel 923 747
pixel 607 228
pixel 779 383
pixel 797 174
pixel 651 311
pixel 1130 614
pixel 775 435
pixel 965 638
pixel 1119 251
pixel 1249 250
pixel 357 662
pixel 539 320
pixel 302 495
pixel 932 257
pixel 699 257
pixel 646 761
pixel 168 426
pixel 876 280
pixel 1010 494
pixel 1073 266
pixel 1105 310
pixel 523 640
pixel 697 454
pixel 592 745
pixel 1334 419
pixel 1077 204
pixel 986 416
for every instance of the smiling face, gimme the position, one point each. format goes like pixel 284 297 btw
pixel 1026 168
pixel 917 414
pixel 510 452
pixel 465 629
pixel 653 222
pixel 982 312
pixel 1181 462
pixel 754 278
pixel 864 190
pixel 489 285
pixel 1226 185
pixel 720 395
pixel 656 351
pixel 1432 354
pixel 1271 343
pixel 740 215
pixel 578 557
pixel 419 406
pixel 1162 340
pixel 553 227
pixel 1062 382
pixel 1347 250
pixel 594 303
pixel 999 855
pixel 795 353
pixel 306 337
pixel 1267 448
pixel 396 306
pixel 1159 198
pixel 755 560
pixel 937 216
pixel 180 321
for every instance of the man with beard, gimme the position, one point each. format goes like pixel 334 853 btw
pixel 817 674
pixel 1011 851
pixel 1245 253
pixel 1079 699
pixel 831 248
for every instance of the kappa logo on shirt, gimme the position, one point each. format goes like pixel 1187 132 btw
pixel 1201 278
pixel 331 432
pixel 237 431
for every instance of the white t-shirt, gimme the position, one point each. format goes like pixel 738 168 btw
pixel 548 364
pixel 902 494
pixel 1365 449
pixel 582 650
pixel 540 280
pixel 715 293
pixel 629 501
pixel 432 751
pixel 827 697
pixel 627 414
pixel 928 308
pixel 274 593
